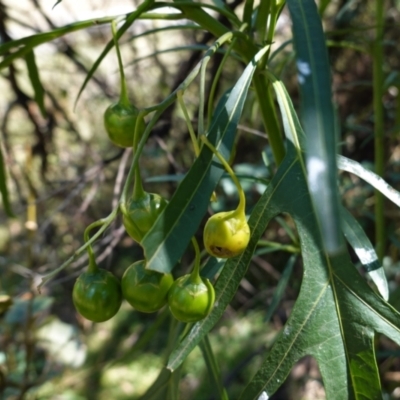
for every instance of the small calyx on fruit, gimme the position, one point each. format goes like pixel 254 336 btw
pixel 191 297
pixel 97 295
pixel 140 214
pixel 191 301
pixel 120 121
pixel 145 290
pixel 227 234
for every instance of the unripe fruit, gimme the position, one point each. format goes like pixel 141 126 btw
pixel 226 234
pixel 142 213
pixel 120 121
pixel 190 300
pixel 145 290
pixel 97 295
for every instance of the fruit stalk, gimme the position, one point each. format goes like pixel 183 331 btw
pixel 123 99
pixel 242 199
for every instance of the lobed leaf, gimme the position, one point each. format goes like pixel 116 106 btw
pixel 335 315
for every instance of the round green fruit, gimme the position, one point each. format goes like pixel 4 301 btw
pixel 97 295
pixel 120 122
pixel 145 290
pixel 189 301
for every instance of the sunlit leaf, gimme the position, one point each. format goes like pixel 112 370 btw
pixel 336 314
pixel 334 298
pixel 362 246
pixel 373 179
pixel 170 235
pixel 317 116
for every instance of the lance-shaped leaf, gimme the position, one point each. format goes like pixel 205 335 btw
pixel 234 269
pixel 34 77
pixel 317 117
pixel 334 317
pixel 336 314
pixel 3 186
pixel 373 179
pixel 366 253
pixel 167 240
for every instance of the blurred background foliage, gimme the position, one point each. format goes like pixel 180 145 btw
pixel 64 174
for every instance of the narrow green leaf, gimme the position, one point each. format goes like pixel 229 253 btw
pixel 29 42
pixel 281 286
pixel 335 315
pixel 291 123
pixel 234 269
pixel 373 179
pixel 3 186
pixel 159 385
pixel 318 118
pixel 333 319
pixel 362 246
pixel 213 368
pixel 170 235
pixel 34 77
pixel 193 48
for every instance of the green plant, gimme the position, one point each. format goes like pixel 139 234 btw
pixel 227 233
pixel 191 297
pixel 341 307
pixel 141 213
pixel 120 118
pixel 145 290
pixel 97 293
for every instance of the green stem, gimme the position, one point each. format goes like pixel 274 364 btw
pixel 269 117
pixel 92 259
pixel 224 38
pixel 242 199
pixel 212 367
pixel 195 275
pixel 247 49
pixel 278 246
pixel 248 14
pixel 262 18
pixel 179 96
pixel 379 126
pixel 123 98
pixel 215 82
pixel 200 123
pixel 105 223
pixel 138 191
pixel 159 110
